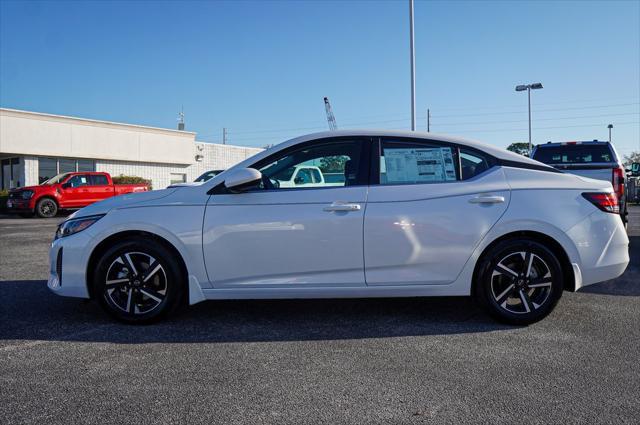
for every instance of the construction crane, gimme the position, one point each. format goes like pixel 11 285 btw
pixel 330 118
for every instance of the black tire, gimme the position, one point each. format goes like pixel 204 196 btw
pixel 46 208
pixel 503 288
pixel 120 285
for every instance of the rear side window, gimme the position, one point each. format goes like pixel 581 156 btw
pixel 573 154
pixel 98 180
pixel 472 164
pixel 416 163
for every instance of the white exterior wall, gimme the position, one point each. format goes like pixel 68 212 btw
pixel 31 133
pixel 132 150
pixel 216 157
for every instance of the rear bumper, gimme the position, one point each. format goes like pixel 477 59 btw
pixel 603 247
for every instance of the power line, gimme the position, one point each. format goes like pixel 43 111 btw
pixel 544 128
pixel 537 119
pixel 537 110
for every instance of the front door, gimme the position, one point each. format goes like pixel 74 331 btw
pixel 292 236
pixel 76 192
pixel 433 205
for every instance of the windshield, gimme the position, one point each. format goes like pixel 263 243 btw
pixel 573 154
pixel 208 176
pixel 56 179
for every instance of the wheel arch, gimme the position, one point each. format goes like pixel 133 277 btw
pixel 114 238
pixel 548 241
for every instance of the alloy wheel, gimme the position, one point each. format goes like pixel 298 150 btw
pixel 521 282
pixel 136 283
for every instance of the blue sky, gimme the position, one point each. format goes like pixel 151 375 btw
pixel 261 69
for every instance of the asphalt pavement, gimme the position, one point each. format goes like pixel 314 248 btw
pixel 432 360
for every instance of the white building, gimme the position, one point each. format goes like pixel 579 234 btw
pixel 36 146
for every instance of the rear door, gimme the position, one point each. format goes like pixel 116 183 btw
pixel 99 188
pixel 429 206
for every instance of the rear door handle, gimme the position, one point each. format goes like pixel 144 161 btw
pixel 341 206
pixel 487 199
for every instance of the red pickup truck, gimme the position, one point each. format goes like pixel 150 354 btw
pixel 66 191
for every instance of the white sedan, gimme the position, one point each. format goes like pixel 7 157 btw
pixel 416 215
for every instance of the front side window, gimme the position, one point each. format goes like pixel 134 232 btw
pixel 416 163
pixel 331 164
pixel 78 180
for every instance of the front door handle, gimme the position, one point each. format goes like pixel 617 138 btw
pixel 487 199
pixel 341 206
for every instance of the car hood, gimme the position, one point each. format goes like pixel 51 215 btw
pixel 20 189
pixel 122 201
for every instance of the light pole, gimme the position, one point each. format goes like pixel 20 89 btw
pixel 412 55
pixel 610 126
pixel 528 88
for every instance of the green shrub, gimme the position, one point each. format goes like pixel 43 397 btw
pixel 122 179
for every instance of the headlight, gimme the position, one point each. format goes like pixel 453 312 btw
pixel 75 225
pixel 26 194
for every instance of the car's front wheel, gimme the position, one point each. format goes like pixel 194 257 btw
pixel 138 281
pixel 46 208
pixel 519 281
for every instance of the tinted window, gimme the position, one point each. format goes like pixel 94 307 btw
pixel 339 158
pixel 472 164
pixel 98 180
pixel 47 168
pixel 573 154
pixel 416 163
pixel 78 180
pixel 86 165
pixel 67 165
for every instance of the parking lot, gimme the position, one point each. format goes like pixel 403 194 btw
pixel 319 361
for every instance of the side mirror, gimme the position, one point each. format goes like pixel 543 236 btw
pixel 243 179
pixel 635 169
pixel 66 185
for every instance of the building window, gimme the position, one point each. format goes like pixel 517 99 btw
pixel 9 173
pixel 47 168
pixel 86 165
pixel 178 178
pixel 66 165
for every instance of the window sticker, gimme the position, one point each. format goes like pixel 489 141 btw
pixel 425 165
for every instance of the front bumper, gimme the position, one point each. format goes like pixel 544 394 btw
pixel 19 205
pixel 68 258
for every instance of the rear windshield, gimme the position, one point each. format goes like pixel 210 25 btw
pixel 573 154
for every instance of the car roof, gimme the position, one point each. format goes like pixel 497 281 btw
pixel 587 142
pixel 499 153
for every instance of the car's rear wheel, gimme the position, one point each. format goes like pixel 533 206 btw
pixel 138 281
pixel 46 208
pixel 519 281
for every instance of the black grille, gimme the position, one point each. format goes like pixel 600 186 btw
pixel 59 266
pixel 15 195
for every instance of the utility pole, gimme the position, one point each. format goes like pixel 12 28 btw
pixel 610 126
pixel 331 119
pixel 224 135
pixel 412 55
pixel 528 88
pixel 428 120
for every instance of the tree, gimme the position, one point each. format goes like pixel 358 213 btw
pixel 631 158
pixel 519 147
pixel 333 164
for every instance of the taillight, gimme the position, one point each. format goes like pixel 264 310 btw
pixel 607 202
pixel 618 181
